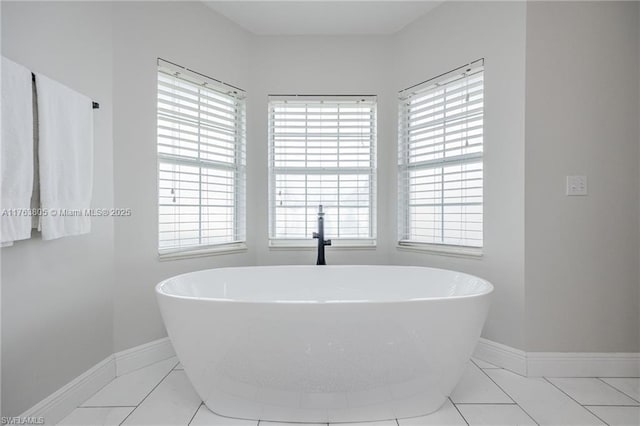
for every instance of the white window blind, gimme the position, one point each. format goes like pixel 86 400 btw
pixel 322 151
pixel 440 159
pixel 201 161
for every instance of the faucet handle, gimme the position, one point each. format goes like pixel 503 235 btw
pixel 327 242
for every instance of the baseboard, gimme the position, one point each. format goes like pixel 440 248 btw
pixel 143 355
pixel 558 364
pixel 577 364
pixel 59 404
pixel 502 356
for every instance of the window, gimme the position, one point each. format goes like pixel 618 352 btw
pixel 322 152
pixel 440 160
pixel 201 162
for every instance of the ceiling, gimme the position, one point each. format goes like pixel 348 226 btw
pixel 322 17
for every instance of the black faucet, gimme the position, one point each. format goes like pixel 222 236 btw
pixel 320 236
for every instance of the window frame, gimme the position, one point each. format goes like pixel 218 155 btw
pixel 308 242
pixel 403 209
pixel 238 167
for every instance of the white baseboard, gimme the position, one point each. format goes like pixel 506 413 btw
pixel 577 364
pixel 143 355
pixel 59 404
pixel 502 356
pixel 558 364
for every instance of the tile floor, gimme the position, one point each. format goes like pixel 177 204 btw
pixel 160 394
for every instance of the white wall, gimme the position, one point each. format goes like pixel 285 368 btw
pixel 276 65
pixel 64 308
pixel 319 65
pixel 450 36
pixel 57 295
pixel 582 118
pixel 192 35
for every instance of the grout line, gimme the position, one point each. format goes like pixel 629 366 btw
pixel 613 387
pixel 607 405
pixel 145 398
pixel 486 403
pixel 595 415
pixel 499 387
pixel 108 406
pixel 574 400
pixel 196 412
pixel 510 397
pixel 458 410
pixel 495 367
pixel 591 377
pixel 618 377
pixel 112 380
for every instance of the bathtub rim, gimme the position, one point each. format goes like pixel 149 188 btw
pixel 159 288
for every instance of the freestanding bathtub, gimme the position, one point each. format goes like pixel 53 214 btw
pixel 324 343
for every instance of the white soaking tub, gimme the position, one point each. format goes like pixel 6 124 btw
pixel 324 343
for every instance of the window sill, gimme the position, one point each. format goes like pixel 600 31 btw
pixel 444 250
pixel 202 251
pixel 310 245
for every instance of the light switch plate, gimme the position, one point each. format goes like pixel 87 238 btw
pixel 576 185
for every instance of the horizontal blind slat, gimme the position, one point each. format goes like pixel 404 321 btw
pixel 440 162
pixel 321 152
pixel 187 88
pixel 201 169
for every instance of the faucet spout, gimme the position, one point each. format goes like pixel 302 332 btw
pixel 320 236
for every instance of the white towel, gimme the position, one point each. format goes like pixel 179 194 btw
pixel 17 153
pixel 65 129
